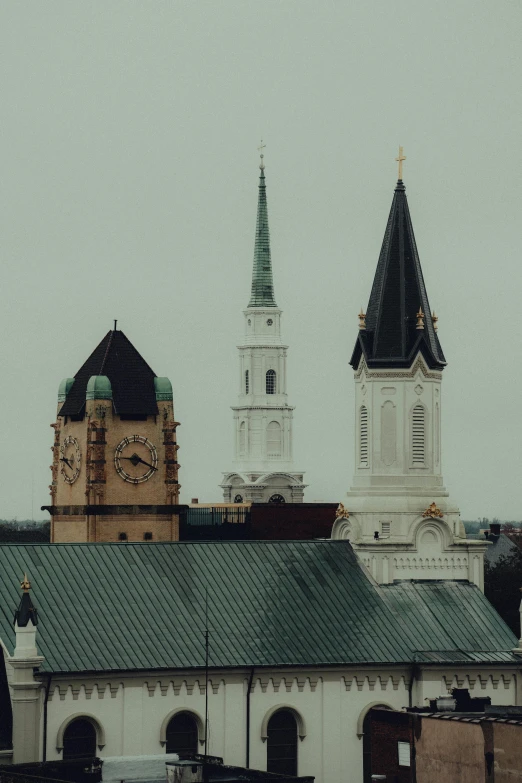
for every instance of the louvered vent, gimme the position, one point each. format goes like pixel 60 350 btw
pixel 418 435
pixel 363 438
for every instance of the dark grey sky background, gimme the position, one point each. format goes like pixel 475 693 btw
pixel 128 190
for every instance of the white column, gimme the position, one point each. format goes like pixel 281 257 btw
pixel 25 696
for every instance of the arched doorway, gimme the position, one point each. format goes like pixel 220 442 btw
pixel 281 751
pixel 182 734
pixel 364 728
pixel 79 739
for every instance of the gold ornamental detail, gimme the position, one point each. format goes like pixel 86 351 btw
pixel 341 512
pixel 25 584
pixel 433 512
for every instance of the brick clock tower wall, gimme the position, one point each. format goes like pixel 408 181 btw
pixel 115 474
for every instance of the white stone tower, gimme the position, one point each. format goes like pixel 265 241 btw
pixel 398 514
pixel 263 466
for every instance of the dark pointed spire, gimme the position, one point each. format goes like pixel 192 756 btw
pixel 26 610
pixel 394 332
pixel 262 284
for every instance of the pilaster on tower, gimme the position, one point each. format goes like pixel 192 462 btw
pixel 401 521
pixel 263 460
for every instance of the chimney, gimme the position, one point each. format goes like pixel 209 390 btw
pixel 494 528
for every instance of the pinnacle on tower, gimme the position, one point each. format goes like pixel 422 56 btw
pixel 392 335
pixel 26 610
pixel 262 284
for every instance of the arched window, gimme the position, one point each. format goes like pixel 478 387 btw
pixel 247 382
pixel 182 734
pixel 273 439
pixel 242 438
pixel 238 498
pixel 281 751
pixel 79 739
pixel 276 499
pixel 418 436
pixel 271 382
pixel 363 437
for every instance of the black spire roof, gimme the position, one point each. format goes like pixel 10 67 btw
pixel 26 610
pixel 131 378
pixel 391 337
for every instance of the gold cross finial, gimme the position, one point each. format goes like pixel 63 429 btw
pixel 261 148
pixel 399 161
pixel 25 584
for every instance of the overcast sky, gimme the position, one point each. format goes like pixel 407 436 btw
pixel 129 170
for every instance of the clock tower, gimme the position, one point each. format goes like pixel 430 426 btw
pixel 263 468
pixel 115 470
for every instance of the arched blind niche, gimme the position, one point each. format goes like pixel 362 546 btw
pixel 273 439
pixel 418 436
pixel 242 437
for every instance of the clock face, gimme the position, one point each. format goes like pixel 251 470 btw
pixel 136 459
pixel 71 459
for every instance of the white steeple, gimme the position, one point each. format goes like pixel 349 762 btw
pixel 400 519
pixel 263 461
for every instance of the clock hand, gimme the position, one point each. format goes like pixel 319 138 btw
pixel 139 459
pixel 64 459
pixel 147 464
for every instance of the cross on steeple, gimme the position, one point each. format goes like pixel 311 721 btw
pixel 399 161
pixel 261 148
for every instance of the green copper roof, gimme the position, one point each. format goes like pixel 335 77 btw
pixel 98 388
pixel 262 283
pixel 270 603
pixel 163 389
pixel 64 389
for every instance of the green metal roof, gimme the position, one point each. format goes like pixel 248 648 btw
pixel 98 388
pixel 453 621
pixel 297 603
pixel 262 284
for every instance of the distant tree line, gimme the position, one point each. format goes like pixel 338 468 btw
pixel 502 586
pixel 24 531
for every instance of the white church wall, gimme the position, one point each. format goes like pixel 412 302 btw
pixel 332 705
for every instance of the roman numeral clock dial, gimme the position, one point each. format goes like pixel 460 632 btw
pixel 70 459
pixel 136 459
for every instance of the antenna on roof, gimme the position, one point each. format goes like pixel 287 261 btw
pixel 206 671
pixel 115 324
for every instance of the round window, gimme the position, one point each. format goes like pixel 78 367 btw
pixel 238 498
pixel 269 322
